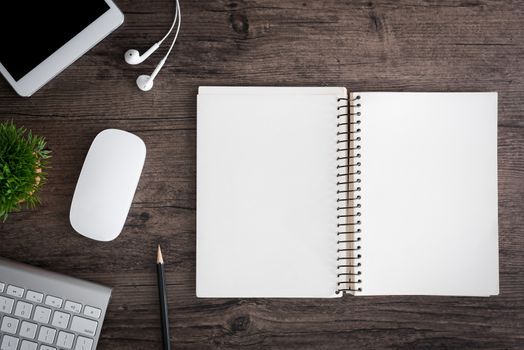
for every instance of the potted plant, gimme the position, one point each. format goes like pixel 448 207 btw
pixel 23 163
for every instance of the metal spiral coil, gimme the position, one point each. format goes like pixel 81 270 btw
pixel 348 200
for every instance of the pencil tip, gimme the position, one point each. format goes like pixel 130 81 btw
pixel 159 258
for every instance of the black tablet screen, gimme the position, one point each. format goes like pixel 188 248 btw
pixel 31 31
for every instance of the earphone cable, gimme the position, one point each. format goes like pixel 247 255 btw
pixel 179 16
pixel 172 24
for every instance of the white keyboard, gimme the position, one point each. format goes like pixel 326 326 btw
pixel 41 310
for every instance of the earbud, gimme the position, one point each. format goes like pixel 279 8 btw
pixel 145 82
pixel 133 57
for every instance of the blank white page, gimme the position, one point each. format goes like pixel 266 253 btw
pixel 429 193
pixel 266 192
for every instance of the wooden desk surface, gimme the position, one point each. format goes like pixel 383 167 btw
pixel 410 45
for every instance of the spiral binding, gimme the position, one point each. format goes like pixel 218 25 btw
pixel 348 197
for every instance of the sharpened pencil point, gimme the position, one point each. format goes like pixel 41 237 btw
pixel 159 259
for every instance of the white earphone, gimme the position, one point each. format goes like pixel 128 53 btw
pixel 132 56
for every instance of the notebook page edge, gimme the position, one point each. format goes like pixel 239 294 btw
pixel 270 90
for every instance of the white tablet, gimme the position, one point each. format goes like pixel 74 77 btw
pixel 42 38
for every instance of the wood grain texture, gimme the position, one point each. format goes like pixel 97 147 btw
pixel 410 45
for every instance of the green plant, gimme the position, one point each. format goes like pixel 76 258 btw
pixel 23 161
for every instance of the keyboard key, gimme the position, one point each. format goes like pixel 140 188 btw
pixel 83 343
pixel 15 291
pixel 28 330
pixel 46 335
pixel 6 305
pixel 2 286
pixel 53 301
pixel 34 296
pixel 65 340
pixel 72 306
pixel 83 326
pixel 28 345
pixel 60 319
pixel 42 314
pixel 9 325
pixel 9 343
pixel 23 309
pixel 45 347
pixel 92 311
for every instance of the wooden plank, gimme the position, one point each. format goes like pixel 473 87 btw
pixel 363 45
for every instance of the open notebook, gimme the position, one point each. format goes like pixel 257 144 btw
pixel 314 192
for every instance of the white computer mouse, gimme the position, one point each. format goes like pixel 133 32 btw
pixel 107 184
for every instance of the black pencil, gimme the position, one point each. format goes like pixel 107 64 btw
pixel 163 299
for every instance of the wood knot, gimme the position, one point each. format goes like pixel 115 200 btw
pixel 376 22
pixel 240 324
pixel 144 216
pixel 239 23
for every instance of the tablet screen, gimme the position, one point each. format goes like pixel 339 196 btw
pixel 31 31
